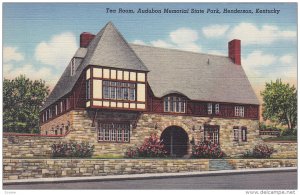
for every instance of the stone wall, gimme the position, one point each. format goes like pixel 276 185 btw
pixel 52 168
pixel 261 163
pixel 284 149
pixel 28 146
pixel 45 168
pixel 82 130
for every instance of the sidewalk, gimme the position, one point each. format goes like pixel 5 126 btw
pixel 146 176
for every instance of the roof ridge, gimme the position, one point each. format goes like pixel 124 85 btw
pixel 175 49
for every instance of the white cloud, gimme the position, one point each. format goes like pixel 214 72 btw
pixel 58 51
pixel 184 36
pixel 215 30
pixel 258 59
pixel 12 54
pixel 249 33
pixel 161 43
pixel 287 59
pixel 31 72
pixel 139 42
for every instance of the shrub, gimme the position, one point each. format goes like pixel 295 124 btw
pixel 152 147
pixel 259 151
pixel 207 149
pixel 72 149
pixel 262 151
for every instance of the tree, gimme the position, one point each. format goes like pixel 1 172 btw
pixel 22 99
pixel 280 103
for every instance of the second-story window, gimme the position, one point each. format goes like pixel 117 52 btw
pixel 239 111
pixel 209 108
pixel 174 104
pixel 88 89
pixel 217 108
pixel 119 90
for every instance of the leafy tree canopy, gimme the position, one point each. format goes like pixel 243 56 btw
pixel 22 99
pixel 280 103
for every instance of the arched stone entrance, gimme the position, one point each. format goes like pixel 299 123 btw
pixel 176 141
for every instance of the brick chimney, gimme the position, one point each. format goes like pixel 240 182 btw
pixel 234 51
pixel 85 39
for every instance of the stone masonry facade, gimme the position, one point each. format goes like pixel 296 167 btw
pixel 82 129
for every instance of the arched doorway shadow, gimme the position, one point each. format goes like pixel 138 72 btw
pixel 176 141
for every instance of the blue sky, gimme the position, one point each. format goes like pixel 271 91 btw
pixel 39 39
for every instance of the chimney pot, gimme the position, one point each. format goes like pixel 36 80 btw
pixel 234 51
pixel 85 39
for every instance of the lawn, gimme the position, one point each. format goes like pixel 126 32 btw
pixel 290 138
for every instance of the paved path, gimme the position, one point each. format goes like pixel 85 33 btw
pixel 263 180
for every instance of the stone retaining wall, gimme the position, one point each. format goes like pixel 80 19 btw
pixel 52 168
pixel 28 146
pixel 284 150
pixel 47 168
pixel 261 163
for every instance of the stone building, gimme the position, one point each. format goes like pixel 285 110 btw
pixel 114 94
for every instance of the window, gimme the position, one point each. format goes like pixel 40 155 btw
pixel 67 104
pixel 211 133
pixel 46 115
pixel 43 117
pixel 209 108
pixel 88 89
pixel 72 66
pixel 61 131
pixel 56 109
pixel 49 113
pixel 174 104
pixel 55 131
pixel 114 132
pixel 46 132
pixel 61 107
pixel 239 111
pixel 236 133
pixel 217 108
pixel 244 134
pixel 119 90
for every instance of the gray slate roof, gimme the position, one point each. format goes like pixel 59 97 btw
pixel 198 76
pixel 171 70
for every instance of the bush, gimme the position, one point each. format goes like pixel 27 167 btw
pixel 259 151
pixel 73 149
pixel 207 149
pixel 152 147
pixel 289 132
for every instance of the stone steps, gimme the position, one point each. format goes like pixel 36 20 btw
pixel 219 164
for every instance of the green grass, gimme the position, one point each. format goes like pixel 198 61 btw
pixel 282 138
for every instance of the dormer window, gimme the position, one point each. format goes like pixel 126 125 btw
pixel 73 66
pixel 174 104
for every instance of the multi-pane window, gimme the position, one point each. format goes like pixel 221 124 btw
pixel 209 108
pixel 67 104
pixel 174 104
pixel 114 132
pixel 119 90
pixel 211 133
pixel 236 133
pixel 88 89
pixel 244 134
pixel 239 111
pixel 217 108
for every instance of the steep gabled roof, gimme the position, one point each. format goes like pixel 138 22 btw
pixel 109 49
pixel 199 76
